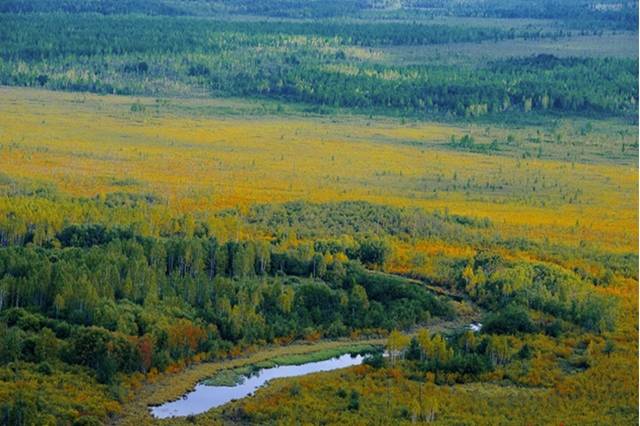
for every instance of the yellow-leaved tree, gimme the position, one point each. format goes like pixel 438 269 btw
pixel 396 342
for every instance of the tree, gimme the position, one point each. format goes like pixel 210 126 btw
pixel 439 351
pixel 263 257
pixel 222 267
pixel 468 341
pixel 469 278
pixel 319 265
pixel 525 352
pixel 498 350
pixel 145 348
pixel 285 299
pixel 414 352
pixel 424 340
pixel 609 347
pixel 243 259
pixel 511 320
pixel 374 360
pixel 11 342
pixel 358 304
pixel 89 346
pixel 354 401
pixel 396 343
pixel 373 251
pixel 46 345
pixel 106 368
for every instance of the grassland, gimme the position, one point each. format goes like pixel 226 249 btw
pixel 609 44
pixel 85 145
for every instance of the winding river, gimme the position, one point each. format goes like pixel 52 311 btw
pixel 204 397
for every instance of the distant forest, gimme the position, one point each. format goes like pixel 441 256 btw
pixel 620 14
pixel 323 64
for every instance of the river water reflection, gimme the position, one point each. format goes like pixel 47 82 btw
pixel 204 398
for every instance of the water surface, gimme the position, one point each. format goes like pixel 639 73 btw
pixel 204 398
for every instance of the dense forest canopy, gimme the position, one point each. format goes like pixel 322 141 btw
pixel 308 63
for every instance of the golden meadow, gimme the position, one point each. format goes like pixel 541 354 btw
pixel 200 156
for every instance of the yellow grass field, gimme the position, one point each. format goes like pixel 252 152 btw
pixel 205 155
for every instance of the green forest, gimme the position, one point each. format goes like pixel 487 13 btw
pixel 310 63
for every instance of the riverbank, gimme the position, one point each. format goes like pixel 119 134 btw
pixel 172 386
pixel 234 376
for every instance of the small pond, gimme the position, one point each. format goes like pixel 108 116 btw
pixel 204 397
